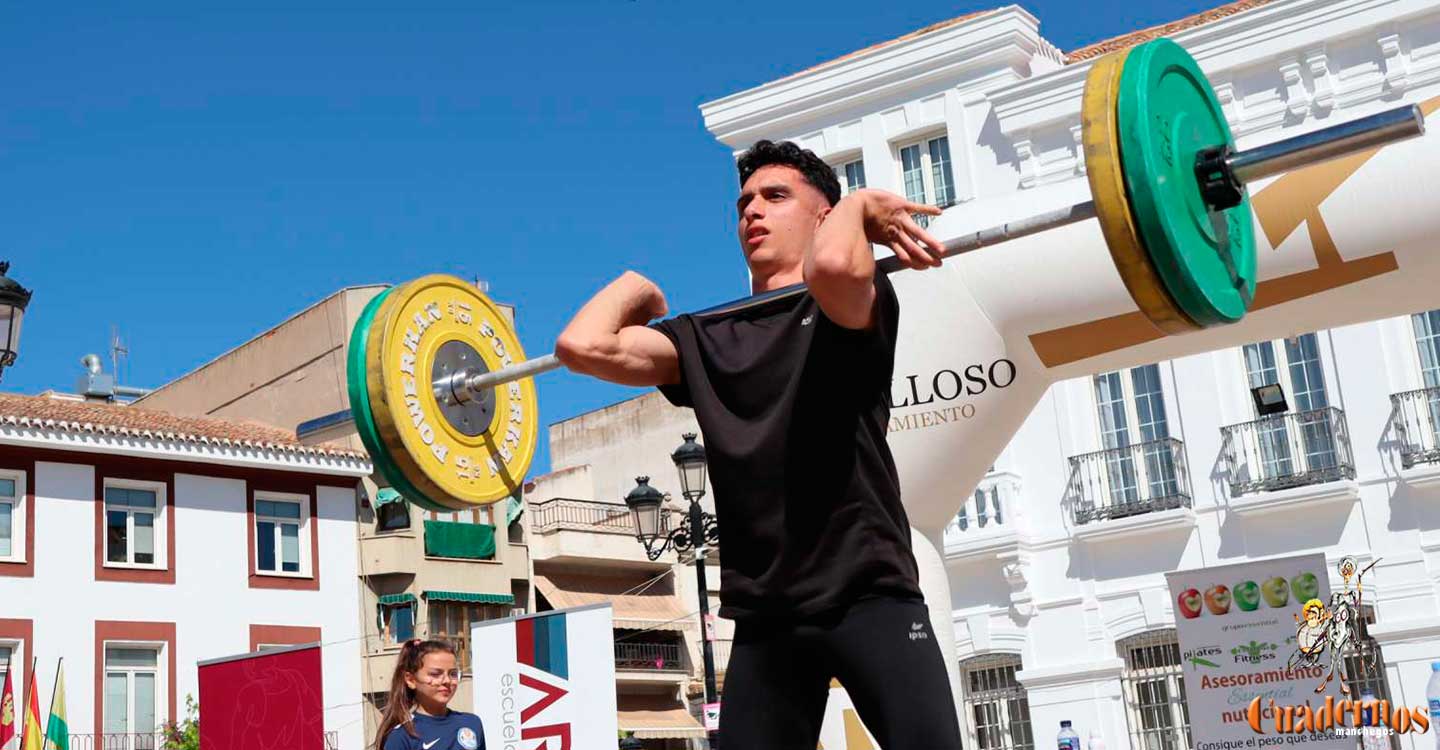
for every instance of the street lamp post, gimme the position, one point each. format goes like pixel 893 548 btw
pixel 13 300
pixel 699 534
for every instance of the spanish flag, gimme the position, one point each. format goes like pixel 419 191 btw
pixel 57 735
pixel 8 740
pixel 32 738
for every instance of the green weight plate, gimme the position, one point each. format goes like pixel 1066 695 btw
pixel 355 381
pixel 1168 113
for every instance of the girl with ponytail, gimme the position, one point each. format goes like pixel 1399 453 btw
pixel 417 716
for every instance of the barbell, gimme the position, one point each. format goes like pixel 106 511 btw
pixel 443 398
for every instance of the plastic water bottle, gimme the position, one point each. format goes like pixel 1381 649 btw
pixel 1068 739
pixel 1432 696
pixel 1096 742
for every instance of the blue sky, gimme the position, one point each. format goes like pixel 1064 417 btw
pixel 195 175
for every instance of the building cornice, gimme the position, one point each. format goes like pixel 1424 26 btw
pixel 1007 37
pixel 174 447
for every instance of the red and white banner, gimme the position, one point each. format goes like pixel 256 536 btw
pixel 546 681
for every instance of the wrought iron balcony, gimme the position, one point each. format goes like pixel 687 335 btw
pixel 118 741
pixel 1288 450
pixel 648 657
pixel 1120 482
pixel 1416 419
pixel 587 515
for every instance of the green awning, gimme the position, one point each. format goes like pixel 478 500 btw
pixel 387 599
pixel 470 541
pixel 466 596
pixel 386 496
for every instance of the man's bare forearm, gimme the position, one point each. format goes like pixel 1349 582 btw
pixel 608 338
pixel 840 267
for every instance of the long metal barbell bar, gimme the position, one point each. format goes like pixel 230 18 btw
pixel 1247 166
pixel 1238 168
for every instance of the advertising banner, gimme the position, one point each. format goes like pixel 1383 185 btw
pixel 1240 636
pixel 546 681
pixel 263 700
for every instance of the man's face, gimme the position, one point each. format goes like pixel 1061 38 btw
pixel 779 212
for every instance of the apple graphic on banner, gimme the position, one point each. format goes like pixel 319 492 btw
pixel 1247 595
pixel 1276 591
pixel 1217 599
pixel 1304 587
pixel 1189 601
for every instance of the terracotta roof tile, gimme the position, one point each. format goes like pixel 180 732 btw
pixel 1144 35
pixel 918 32
pixel 116 419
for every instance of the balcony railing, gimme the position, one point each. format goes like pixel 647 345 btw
pixel 1288 450
pixel 1129 481
pixel 155 741
pixel 988 507
pixel 649 657
pixel 145 741
pixel 587 515
pixel 1416 418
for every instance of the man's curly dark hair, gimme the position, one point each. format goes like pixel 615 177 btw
pixel 820 175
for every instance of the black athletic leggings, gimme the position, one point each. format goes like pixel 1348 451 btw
pixel 884 654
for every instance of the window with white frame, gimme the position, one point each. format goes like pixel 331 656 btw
pixel 1295 365
pixel 1155 691
pixel 282 534
pixel 134 524
pixel 1427 343
pixel 7 654
pixel 1134 431
pixel 12 516
pixel 997 710
pixel 851 175
pixel 925 173
pixel 133 687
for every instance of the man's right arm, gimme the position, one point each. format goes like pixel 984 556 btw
pixel 609 339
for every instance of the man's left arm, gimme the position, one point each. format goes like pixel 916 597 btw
pixel 839 269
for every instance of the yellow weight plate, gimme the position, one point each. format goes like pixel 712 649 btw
pixel 421 326
pixel 1100 129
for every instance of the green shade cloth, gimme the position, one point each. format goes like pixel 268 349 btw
pixel 466 596
pixel 397 598
pixel 513 508
pixel 386 496
pixel 471 541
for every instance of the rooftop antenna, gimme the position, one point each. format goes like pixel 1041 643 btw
pixel 118 351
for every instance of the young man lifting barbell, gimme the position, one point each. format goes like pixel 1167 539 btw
pixel 791 395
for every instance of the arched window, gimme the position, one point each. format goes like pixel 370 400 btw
pixel 997 713
pixel 1154 691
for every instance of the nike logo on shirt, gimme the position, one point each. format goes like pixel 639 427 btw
pixel 427 745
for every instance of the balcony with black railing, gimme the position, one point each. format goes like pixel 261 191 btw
pixel 1128 481
pixel 1415 417
pixel 649 657
pixel 587 515
pixel 1289 450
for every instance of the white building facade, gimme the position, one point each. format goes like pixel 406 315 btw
pixel 134 544
pixel 1057 564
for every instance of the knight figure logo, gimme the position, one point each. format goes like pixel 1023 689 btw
pixel 467 739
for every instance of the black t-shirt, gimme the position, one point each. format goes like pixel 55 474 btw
pixel 794 411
